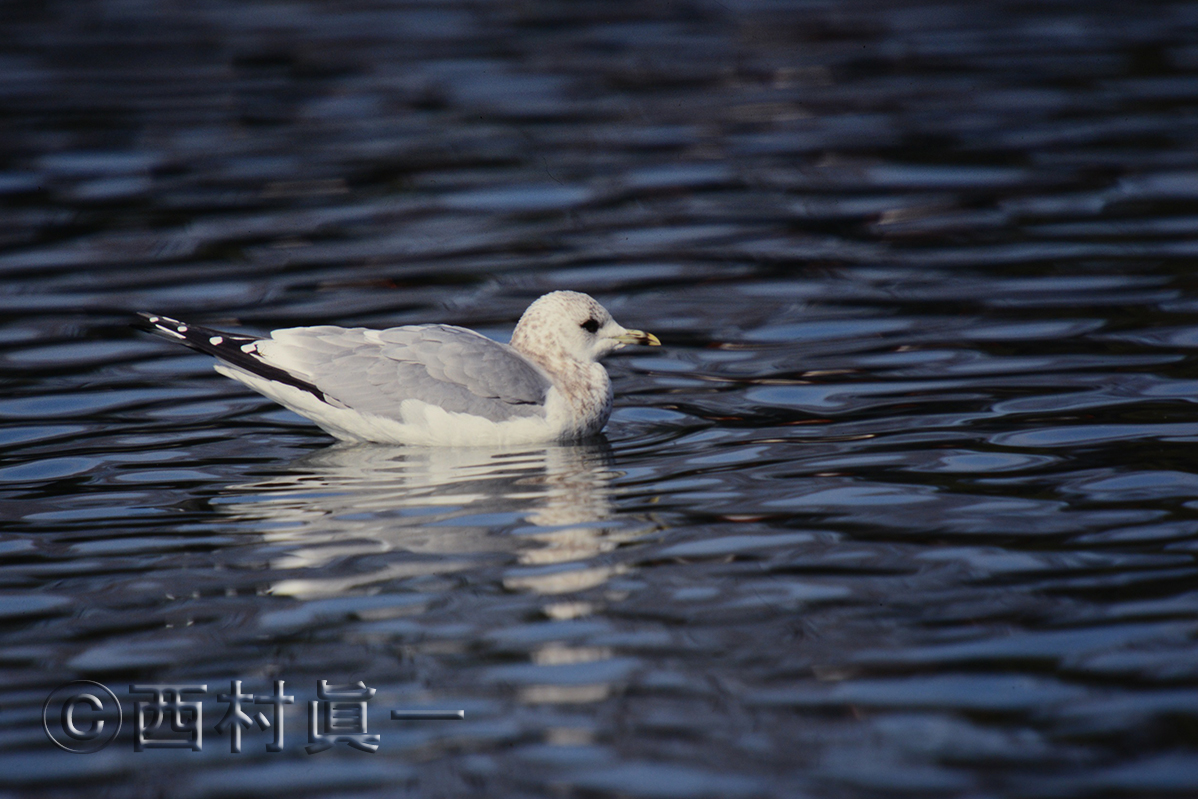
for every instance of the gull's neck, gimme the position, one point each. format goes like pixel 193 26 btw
pixel 584 385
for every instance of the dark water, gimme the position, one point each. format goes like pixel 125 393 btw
pixel 906 506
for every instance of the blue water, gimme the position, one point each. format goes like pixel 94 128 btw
pixel 906 505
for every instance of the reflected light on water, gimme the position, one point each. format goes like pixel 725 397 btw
pixel 453 502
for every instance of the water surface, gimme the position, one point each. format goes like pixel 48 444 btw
pixel 905 506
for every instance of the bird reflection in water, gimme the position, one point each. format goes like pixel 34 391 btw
pixel 350 516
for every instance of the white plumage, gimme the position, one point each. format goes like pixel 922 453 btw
pixel 433 384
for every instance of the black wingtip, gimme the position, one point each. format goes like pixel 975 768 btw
pixel 145 321
pixel 232 348
pixel 204 339
pixel 162 325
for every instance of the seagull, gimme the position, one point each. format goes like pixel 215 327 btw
pixel 433 385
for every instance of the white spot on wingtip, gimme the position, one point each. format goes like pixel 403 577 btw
pixel 249 349
pixel 154 320
pixel 182 328
pixel 216 340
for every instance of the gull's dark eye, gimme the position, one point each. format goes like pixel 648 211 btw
pixel 590 326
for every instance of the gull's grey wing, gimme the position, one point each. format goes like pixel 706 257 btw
pixel 375 370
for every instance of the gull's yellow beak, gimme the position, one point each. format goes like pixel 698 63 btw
pixel 638 337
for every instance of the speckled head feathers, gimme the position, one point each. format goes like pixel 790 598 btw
pixel 566 325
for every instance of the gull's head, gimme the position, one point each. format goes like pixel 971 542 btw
pixel 573 324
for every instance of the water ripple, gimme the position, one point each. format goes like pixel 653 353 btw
pixel 904 506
